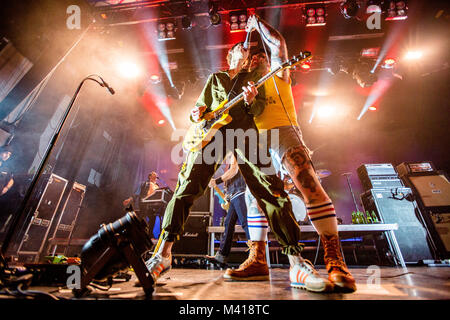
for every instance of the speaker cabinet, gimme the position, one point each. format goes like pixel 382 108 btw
pixel 393 206
pixel 433 190
pixel 194 239
pixel 204 204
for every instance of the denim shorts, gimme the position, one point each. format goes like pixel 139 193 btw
pixel 288 137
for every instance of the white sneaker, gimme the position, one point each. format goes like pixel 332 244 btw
pixel 158 265
pixel 303 276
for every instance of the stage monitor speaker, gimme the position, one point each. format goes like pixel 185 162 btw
pixel 393 206
pixel 194 239
pixel 204 204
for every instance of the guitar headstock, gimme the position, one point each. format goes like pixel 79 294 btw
pixel 300 58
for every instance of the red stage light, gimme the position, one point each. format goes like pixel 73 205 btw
pixel 305 66
pixel 161 122
pixel 373 108
pixel 389 63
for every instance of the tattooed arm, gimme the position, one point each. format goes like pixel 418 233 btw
pixel 274 40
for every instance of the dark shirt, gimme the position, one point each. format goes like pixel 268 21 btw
pixel 235 185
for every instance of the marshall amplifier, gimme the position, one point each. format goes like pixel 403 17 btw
pixel 395 206
pixel 204 204
pixel 194 239
pixel 378 176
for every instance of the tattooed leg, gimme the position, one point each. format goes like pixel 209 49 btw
pixel 303 175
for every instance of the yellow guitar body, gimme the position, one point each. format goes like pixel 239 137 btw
pixel 197 137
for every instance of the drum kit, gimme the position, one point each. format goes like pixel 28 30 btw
pixel 298 204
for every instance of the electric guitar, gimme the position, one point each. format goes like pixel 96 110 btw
pixel 201 133
pixel 225 205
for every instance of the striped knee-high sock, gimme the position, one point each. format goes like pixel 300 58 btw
pixel 256 220
pixel 323 217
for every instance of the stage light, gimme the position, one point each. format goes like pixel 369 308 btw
pixel 114 248
pixel 238 21
pixel 129 69
pixel 305 66
pixel 396 10
pixel 161 122
pixel 373 108
pixel 373 6
pixel 371 53
pixel 315 16
pixel 388 63
pixel 166 31
pixel 214 17
pixel 155 79
pixel 413 55
pixel 325 111
pixel 349 8
pixel 104 16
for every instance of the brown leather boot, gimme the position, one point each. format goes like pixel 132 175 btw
pixel 254 268
pixel 338 272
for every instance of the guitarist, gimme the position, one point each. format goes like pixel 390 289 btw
pixel 196 172
pixel 235 195
pixel 279 114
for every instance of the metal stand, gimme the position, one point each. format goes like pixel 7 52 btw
pixel 347 174
pixel 26 201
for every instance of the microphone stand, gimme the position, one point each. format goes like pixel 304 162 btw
pixel 41 168
pixel 351 190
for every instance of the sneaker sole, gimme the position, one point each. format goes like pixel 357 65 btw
pixel 161 274
pixel 303 286
pixel 252 278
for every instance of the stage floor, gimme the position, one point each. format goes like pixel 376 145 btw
pixel 422 283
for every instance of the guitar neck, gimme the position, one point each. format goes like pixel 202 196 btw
pixel 260 82
pixel 220 193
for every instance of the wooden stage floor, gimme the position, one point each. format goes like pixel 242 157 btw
pixel 395 283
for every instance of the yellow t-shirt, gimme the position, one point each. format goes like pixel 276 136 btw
pixel 274 115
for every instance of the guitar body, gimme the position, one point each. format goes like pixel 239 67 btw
pixel 201 133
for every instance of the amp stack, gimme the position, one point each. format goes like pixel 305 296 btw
pixel 393 202
pixel 431 188
pixel 194 241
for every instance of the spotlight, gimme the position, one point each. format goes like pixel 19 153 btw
pixel 155 79
pixel 396 10
pixel 305 66
pixel 161 122
pixel 349 8
pixel 238 21
pixel 166 31
pixel 325 111
pixel 128 69
pixel 373 108
pixel 114 248
pixel 315 16
pixel 388 63
pixel 214 16
pixel 413 55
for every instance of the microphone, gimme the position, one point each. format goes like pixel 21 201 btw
pixel 111 90
pixel 247 41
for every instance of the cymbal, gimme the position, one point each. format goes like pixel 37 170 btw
pixel 323 173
